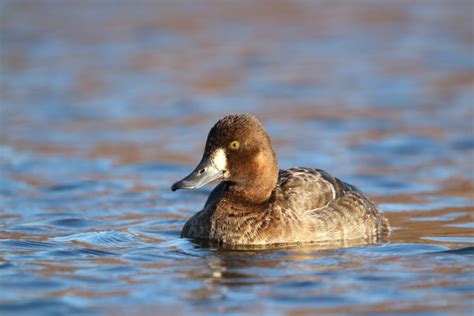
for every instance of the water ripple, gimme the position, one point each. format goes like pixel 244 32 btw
pixel 100 238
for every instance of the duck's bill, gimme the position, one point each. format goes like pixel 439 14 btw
pixel 204 173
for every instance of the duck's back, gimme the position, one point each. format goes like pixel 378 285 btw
pixel 326 208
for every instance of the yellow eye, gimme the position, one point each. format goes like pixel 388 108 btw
pixel 234 145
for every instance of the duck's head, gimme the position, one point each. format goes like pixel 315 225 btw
pixel 237 151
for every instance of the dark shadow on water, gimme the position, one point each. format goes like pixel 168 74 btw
pixel 317 246
pixel 466 251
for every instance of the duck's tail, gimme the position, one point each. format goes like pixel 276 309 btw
pixel 385 229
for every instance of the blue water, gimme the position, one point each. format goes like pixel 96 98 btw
pixel 104 106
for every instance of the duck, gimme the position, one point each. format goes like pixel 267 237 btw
pixel 257 204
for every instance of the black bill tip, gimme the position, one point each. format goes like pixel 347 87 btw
pixel 176 186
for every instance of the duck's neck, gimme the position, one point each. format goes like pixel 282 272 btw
pixel 257 187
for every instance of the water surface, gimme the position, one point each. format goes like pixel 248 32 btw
pixel 104 106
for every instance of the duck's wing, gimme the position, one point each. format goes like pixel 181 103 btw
pixel 308 189
pixel 328 200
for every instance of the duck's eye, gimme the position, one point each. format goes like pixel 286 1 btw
pixel 234 145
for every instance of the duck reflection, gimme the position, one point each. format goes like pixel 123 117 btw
pixel 277 265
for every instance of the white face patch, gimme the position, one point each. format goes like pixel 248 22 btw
pixel 219 159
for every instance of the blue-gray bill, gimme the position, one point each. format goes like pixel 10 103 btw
pixel 204 173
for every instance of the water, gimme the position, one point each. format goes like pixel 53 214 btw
pixel 104 106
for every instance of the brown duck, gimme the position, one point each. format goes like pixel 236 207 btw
pixel 256 204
